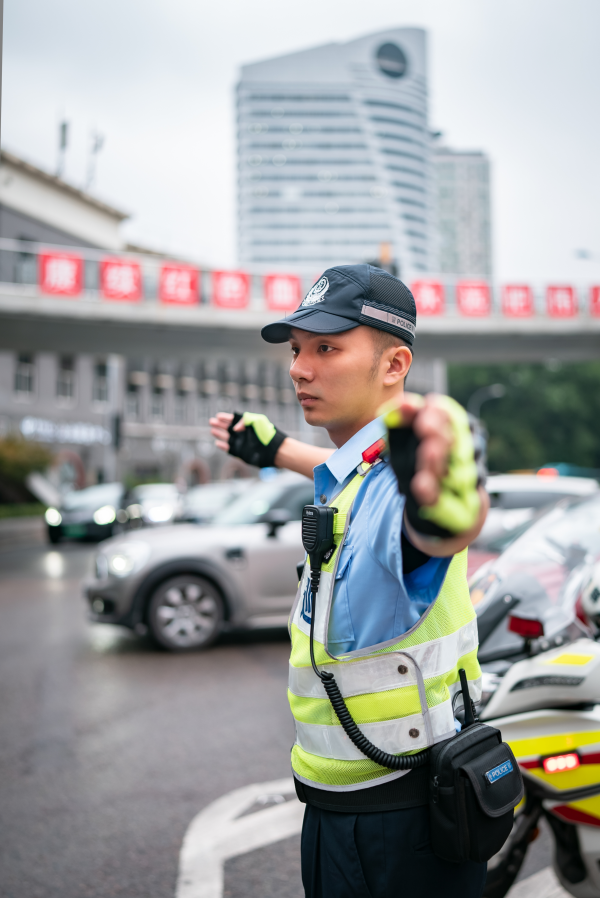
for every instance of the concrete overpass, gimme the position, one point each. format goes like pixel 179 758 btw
pixel 33 322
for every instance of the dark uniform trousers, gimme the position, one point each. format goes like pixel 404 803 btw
pixel 380 855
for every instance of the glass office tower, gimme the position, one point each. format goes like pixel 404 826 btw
pixel 334 157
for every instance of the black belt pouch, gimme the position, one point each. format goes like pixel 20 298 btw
pixel 475 786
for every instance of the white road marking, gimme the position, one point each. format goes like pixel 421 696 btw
pixel 219 832
pixel 542 885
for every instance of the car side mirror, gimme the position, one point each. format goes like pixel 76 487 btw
pixel 275 518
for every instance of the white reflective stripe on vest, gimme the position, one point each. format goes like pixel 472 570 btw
pixel 392 736
pixel 380 674
pixel 303 606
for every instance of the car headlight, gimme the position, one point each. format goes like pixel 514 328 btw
pixel 160 514
pixel 104 515
pixel 53 517
pixel 127 558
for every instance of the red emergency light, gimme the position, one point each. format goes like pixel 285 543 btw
pixel 561 763
pixel 527 627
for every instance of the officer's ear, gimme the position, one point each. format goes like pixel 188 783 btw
pixel 396 354
pixel 399 366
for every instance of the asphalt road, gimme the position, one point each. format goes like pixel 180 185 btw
pixel 109 747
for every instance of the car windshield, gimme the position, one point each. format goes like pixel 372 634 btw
pixel 543 568
pixel 155 492
pixel 260 498
pixel 93 497
pixel 211 497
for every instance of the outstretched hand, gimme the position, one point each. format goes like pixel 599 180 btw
pixel 432 426
pixel 219 427
pixel 444 500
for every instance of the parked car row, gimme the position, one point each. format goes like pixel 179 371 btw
pixel 185 584
pixel 98 512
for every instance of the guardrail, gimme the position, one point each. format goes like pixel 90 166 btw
pixel 77 273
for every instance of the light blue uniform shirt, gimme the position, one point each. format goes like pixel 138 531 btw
pixel 372 600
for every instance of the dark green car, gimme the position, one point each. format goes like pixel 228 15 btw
pixel 88 514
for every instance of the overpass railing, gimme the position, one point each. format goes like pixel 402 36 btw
pixel 97 275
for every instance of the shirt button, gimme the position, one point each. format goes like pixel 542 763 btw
pixel 323 499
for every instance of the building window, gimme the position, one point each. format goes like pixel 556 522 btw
pixel 25 267
pixel 181 408
pixel 133 402
pixel 100 383
pixel 158 403
pixel 65 381
pixel 25 374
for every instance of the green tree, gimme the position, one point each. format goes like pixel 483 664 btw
pixel 550 413
pixel 18 458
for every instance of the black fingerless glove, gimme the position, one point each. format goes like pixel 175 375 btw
pixel 258 444
pixel 458 505
pixel 403 444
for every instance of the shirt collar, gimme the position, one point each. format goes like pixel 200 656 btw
pixel 345 459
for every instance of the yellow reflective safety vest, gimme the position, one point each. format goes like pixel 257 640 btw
pixel 398 692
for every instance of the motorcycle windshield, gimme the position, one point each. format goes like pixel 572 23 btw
pixel 541 573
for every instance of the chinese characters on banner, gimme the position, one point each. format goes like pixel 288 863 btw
pixel 517 301
pixel 429 297
pixel 231 289
pixel 60 274
pixel 121 280
pixel 282 291
pixel 562 302
pixel 595 301
pixel 178 284
pixel 473 298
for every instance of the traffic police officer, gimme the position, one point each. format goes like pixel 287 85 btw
pixel 394 620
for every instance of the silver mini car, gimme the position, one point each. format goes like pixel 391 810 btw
pixel 185 583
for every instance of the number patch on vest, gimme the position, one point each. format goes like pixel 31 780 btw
pixel 496 773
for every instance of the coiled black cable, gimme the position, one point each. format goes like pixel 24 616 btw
pixel 392 762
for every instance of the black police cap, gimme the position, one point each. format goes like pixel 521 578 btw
pixel 349 295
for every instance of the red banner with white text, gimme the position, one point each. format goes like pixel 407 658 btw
pixel 517 301
pixel 60 274
pixel 120 280
pixel 561 302
pixel 429 297
pixel 178 285
pixel 231 289
pixel 283 292
pixel 473 298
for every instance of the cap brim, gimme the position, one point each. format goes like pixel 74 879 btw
pixel 312 320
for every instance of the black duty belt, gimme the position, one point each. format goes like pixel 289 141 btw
pixel 408 791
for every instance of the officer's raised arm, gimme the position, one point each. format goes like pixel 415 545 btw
pixel 257 441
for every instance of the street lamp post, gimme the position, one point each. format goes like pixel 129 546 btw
pixel 476 400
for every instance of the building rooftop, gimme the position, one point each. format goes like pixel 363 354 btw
pixel 61 185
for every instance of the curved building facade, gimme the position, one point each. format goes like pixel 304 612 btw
pixel 334 156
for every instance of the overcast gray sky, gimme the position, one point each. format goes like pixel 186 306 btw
pixel 519 79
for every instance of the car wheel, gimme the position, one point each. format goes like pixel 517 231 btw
pixel 185 613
